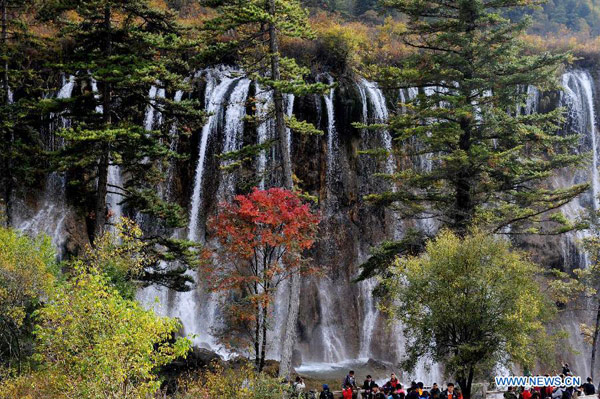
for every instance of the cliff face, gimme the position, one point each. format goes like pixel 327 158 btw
pixel 338 318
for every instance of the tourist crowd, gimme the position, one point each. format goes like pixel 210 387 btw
pixel 393 389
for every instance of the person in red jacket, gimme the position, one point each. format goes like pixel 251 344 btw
pixel 526 393
pixel 347 392
pixel 393 382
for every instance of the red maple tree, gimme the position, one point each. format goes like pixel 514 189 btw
pixel 262 237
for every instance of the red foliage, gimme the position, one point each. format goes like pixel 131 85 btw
pixel 261 239
pixel 262 236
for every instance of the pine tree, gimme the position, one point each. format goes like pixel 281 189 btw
pixel 117 50
pixel 21 88
pixel 250 31
pixel 490 161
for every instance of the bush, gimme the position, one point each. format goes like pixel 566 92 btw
pixel 27 269
pixel 221 383
pixel 93 343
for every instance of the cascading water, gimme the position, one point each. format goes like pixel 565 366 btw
pixel 234 130
pixel 225 98
pixel 333 167
pixel 333 347
pixel 289 110
pixel 533 100
pixel 166 191
pixel 53 209
pixel 380 115
pixel 214 98
pixel 264 130
pixel 152 117
pixel 577 97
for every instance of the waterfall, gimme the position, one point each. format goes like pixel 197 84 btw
pixel 289 111
pixel 333 169
pixel 371 314
pixel 334 349
pixel 234 130
pixel 264 129
pixel 53 210
pixel 166 194
pixel 94 83
pixel 533 100
pixel 578 96
pixel 114 198
pixel 381 114
pixel 225 98
pixel 214 99
pixel 152 117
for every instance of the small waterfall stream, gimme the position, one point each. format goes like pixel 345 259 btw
pixel 264 131
pixel 214 99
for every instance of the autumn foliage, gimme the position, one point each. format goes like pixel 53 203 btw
pixel 261 237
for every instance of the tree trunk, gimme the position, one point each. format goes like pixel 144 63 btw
pixel 469 386
pixel 278 102
pixel 8 165
pixel 101 192
pixel 289 329
pixel 263 349
pixel 594 343
pixel 103 164
pixel 257 339
pixel 466 383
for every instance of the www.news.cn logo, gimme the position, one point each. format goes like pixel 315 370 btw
pixel 538 381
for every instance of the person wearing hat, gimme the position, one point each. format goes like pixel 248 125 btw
pixel 326 393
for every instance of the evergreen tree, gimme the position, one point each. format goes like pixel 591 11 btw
pixel 22 57
pixel 490 162
pixel 250 31
pixel 117 50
